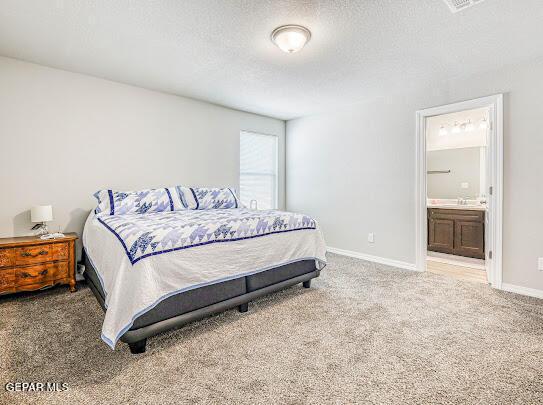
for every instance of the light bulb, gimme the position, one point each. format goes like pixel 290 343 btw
pixel 443 131
pixel 456 128
pixel 470 127
pixel 483 124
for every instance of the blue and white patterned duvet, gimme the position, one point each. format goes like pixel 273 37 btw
pixel 161 232
pixel 142 259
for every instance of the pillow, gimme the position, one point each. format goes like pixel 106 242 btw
pixel 186 196
pixel 138 202
pixel 204 198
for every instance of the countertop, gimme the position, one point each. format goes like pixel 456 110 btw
pixel 458 207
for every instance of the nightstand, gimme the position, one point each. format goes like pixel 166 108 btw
pixel 29 263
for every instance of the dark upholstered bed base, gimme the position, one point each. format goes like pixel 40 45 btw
pixel 188 306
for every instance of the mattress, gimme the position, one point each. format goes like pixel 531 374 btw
pixel 142 260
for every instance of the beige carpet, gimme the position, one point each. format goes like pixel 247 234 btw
pixel 363 333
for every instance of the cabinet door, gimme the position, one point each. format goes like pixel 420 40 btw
pixel 441 235
pixel 469 239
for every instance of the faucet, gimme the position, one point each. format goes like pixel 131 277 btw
pixel 461 201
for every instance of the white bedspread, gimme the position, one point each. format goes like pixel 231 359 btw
pixel 133 289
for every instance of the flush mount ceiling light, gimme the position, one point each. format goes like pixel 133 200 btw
pixel 290 38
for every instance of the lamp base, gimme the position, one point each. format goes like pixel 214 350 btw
pixel 40 228
pixel 55 235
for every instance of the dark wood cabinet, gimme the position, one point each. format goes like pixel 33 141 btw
pixel 441 235
pixel 457 232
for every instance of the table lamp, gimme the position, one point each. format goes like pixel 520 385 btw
pixel 41 214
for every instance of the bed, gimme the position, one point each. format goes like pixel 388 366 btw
pixel 155 271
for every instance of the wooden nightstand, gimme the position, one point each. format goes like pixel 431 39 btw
pixel 29 263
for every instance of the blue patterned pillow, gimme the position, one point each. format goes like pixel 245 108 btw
pixel 186 197
pixel 138 202
pixel 204 198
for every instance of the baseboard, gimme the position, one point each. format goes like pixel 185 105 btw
pixel 376 259
pixel 530 292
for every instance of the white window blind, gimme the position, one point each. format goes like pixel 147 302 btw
pixel 258 169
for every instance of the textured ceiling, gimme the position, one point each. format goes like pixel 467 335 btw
pixel 219 50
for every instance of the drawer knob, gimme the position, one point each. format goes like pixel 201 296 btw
pixel 24 274
pixel 40 253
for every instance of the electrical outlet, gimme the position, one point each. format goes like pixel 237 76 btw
pixel 540 264
pixel 371 238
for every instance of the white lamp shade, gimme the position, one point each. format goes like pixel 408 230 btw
pixel 41 213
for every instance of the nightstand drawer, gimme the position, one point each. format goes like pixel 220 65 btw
pixel 6 257
pixel 7 280
pixel 41 273
pixel 40 253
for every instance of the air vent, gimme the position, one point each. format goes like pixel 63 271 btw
pixel 459 5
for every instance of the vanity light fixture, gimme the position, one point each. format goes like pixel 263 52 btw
pixel 290 38
pixel 443 131
pixel 483 124
pixel 469 126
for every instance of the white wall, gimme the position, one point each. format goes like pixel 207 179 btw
pixel 354 170
pixel 66 135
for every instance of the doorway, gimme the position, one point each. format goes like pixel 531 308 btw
pixel 459 165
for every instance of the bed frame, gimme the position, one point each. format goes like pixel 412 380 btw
pixel 188 306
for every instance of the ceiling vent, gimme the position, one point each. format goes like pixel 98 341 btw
pixel 459 5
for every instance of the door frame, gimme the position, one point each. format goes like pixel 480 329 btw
pixel 494 233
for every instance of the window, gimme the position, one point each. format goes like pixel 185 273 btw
pixel 258 169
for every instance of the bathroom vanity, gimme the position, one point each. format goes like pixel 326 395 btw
pixel 457 230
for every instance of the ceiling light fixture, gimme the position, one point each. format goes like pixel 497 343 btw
pixel 290 38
